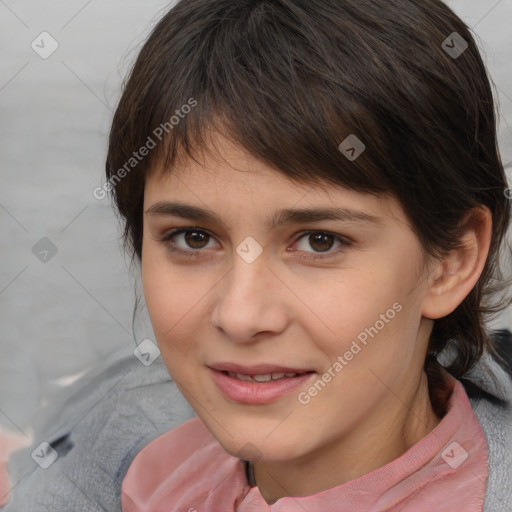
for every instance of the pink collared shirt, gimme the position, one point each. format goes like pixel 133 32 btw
pixel 187 470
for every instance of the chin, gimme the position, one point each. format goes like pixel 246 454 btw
pixel 258 447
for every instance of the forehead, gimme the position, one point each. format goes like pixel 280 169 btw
pixel 224 176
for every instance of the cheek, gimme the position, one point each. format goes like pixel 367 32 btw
pixel 170 296
pixel 349 303
pixel 370 316
pixel 171 311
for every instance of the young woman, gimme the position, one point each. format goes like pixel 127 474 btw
pixel 315 196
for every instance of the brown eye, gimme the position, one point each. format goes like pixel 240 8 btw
pixel 187 241
pixel 321 241
pixel 196 239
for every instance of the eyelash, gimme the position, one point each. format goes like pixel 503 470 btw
pixel 166 239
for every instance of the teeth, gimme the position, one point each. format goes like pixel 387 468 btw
pixel 267 377
pixel 262 378
pixel 240 376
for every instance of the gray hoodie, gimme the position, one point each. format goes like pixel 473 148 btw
pixel 95 431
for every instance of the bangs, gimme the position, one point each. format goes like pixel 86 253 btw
pixel 270 87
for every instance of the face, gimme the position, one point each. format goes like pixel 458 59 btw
pixel 238 301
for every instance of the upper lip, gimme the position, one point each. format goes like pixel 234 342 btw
pixel 260 369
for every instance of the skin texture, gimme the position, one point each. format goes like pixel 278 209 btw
pixel 285 309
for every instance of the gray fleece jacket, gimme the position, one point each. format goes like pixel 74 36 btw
pixel 108 416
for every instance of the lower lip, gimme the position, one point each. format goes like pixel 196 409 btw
pixel 257 392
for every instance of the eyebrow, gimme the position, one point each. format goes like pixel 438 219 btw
pixel 286 216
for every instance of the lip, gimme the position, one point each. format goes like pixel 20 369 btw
pixel 255 393
pixel 259 369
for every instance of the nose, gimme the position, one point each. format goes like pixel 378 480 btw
pixel 250 301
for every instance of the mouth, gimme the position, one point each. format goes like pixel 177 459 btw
pixel 263 377
pixel 262 384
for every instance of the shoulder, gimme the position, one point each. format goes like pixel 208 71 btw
pixel 96 427
pixel 489 388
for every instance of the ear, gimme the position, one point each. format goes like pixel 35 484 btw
pixel 455 276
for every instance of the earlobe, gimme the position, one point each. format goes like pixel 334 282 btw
pixel 457 274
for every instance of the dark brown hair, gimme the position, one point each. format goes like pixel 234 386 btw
pixel 289 80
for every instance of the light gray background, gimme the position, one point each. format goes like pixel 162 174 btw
pixel 59 318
